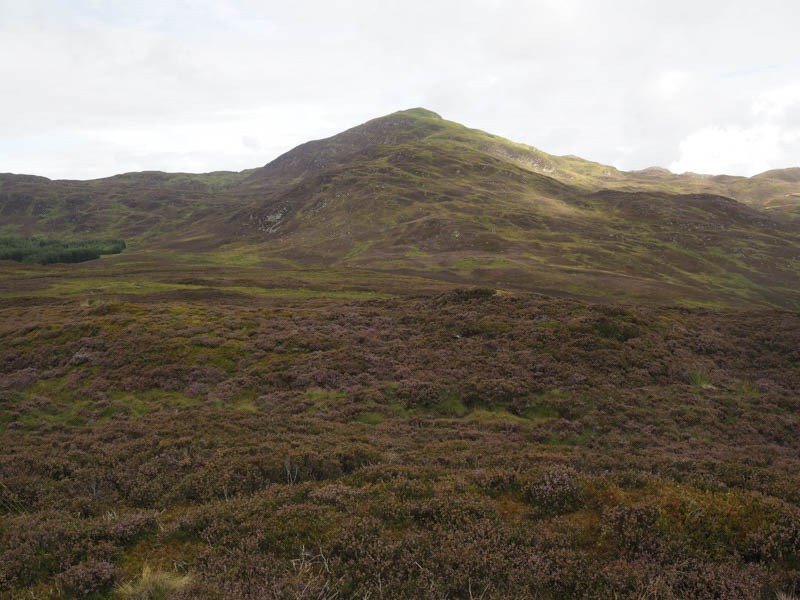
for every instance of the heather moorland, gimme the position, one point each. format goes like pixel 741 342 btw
pixel 413 360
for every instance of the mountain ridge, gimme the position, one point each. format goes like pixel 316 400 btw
pixel 414 193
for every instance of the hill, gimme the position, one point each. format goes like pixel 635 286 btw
pixel 413 194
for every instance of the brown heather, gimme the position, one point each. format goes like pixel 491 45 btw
pixel 460 445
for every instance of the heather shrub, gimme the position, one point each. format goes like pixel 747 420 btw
pixel 725 581
pixel 657 491
pixel 497 481
pixel 336 493
pixel 563 573
pixel 10 502
pixel 556 492
pixel 780 543
pixel 20 379
pixel 632 529
pixel 88 579
pixel 46 543
pixel 128 530
pixel 631 479
pixel 466 295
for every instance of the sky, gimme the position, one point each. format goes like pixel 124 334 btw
pixel 92 88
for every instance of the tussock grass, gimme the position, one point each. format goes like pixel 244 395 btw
pixel 700 378
pixel 152 585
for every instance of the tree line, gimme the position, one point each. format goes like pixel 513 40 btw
pixel 42 251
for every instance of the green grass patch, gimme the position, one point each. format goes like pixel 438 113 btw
pixel 358 249
pixel 450 405
pixel 470 264
pixel 371 418
pixel 152 585
pixel 541 412
pixel 495 415
pixel 548 324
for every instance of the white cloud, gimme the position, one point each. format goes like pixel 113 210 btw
pixel 670 83
pixel 774 104
pixel 93 88
pixel 744 151
pixel 771 140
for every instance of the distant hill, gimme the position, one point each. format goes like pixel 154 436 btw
pixel 414 194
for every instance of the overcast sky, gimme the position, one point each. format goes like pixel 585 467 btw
pixel 90 88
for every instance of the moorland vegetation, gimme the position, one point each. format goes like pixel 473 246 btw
pixel 413 360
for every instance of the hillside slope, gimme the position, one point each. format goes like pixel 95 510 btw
pixel 414 194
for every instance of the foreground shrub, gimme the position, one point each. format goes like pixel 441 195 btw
pixel 632 529
pixel 87 579
pixel 556 493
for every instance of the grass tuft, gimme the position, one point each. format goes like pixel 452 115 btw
pixel 152 585
pixel 700 378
